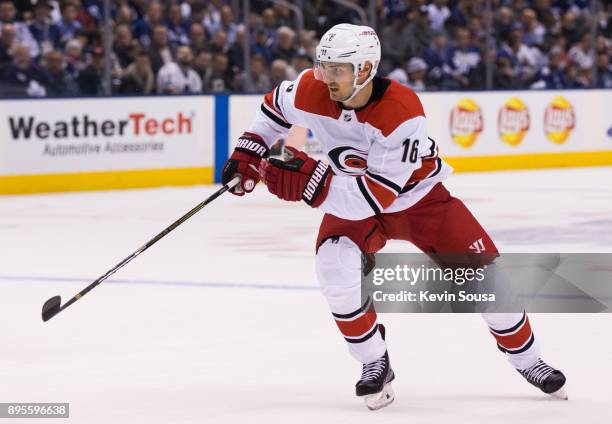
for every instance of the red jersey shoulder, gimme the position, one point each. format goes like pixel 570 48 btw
pixel 312 96
pixel 397 105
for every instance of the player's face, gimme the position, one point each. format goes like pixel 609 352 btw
pixel 339 78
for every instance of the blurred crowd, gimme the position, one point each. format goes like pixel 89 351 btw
pixel 56 48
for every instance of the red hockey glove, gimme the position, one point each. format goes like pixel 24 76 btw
pixel 245 161
pixel 298 178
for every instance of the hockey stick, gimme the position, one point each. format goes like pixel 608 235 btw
pixel 53 306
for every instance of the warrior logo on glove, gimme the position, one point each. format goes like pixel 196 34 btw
pixel 245 161
pixel 299 178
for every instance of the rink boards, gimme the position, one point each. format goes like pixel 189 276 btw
pixel 105 143
pixel 110 143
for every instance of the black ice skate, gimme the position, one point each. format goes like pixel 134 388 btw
pixel 375 382
pixel 546 378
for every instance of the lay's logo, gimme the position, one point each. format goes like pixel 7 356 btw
pixel 466 122
pixel 559 120
pixel 513 121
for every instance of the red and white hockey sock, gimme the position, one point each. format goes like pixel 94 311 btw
pixel 514 337
pixel 360 330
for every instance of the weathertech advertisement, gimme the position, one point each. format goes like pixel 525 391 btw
pixel 84 135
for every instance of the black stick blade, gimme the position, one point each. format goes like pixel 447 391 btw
pixel 51 308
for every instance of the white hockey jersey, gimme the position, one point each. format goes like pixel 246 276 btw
pixel 381 156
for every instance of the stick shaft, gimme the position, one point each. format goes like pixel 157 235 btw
pixel 151 242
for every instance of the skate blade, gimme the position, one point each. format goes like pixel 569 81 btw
pixel 559 394
pixel 381 399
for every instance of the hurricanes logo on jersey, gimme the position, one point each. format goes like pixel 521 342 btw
pixel 349 160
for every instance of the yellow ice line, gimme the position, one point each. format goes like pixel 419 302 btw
pixel 108 180
pixel 529 161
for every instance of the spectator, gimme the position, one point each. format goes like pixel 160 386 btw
pixel 301 61
pixel 268 19
pixel 257 81
pixel 524 59
pixel 417 70
pixel 22 76
pixel 74 58
pixel 7 38
pixel 228 25
pixel 125 46
pixel 546 43
pixel 218 44
pixel 419 32
pixel 503 76
pixel 212 16
pixel 69 24
pixel 177 30
pixel 438 14
pixel 284 47
pixel 203 64
pixel 197 11
pixel 8 15
pixel 542 8
pixel 463 58
pixel 283 15
pixel 95 9
pixel 144 27
pixel 219 80
pixel 395 41
pixel 582 53
pixel 138 78
pixel 571 75
pixel 435 56
pixel 307 42
pixel 504 21
pixel 58 82
pixel 393 8
pixel 551 76
pixel 604 71
pixel 584 79
pixel 90 78
pixel 88 39
pixel 533 30
pixel 518 6
pixel 124 16
pixel 160 52
pixel 460 13
pixel 262 45
pixel 570 29
pixel 198 38
pixel 46 33
pixel 235 53
pixel 550 23
pixel 478 76
pixel 279 72
pixel 603 45
pixel 337 13
pixel 478 33
pixel 179 77
pixel 399 75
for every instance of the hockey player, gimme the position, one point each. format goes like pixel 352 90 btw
pixel 383 181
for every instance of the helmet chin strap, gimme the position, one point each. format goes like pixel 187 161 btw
pixel 359 87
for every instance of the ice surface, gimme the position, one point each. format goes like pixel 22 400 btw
pixel 221 321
